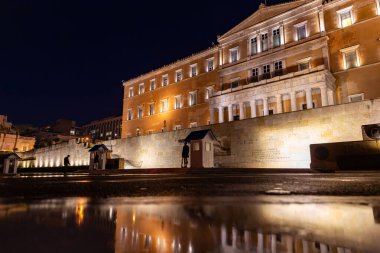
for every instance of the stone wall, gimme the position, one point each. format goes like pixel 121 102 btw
pixel 276 141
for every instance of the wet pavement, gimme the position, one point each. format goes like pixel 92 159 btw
pixel 193 183
pixel 289 224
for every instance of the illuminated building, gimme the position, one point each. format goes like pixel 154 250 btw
pixel 104 129
pixel 11 141
pixel 293 56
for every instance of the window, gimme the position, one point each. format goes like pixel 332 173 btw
pixel 193 70
pixel 278 70
pixel 165 80
pixel 266 71
pixel 130 114
pixel 253 46
pixel 210 64
pixel 254 75
pixel 378 6
pixel 140 112
pixel 193 98
pixel 141 88
pixel 178 75
pixel 351 57
pixel 177 127
pixel 301 32
pixel 152 84
pixel 303 64
pixel 209 92
pixel 234 55
pixel 356 98
pixel 193 124
pixel 164 105
pixel 131 92
pixel 177 102
pixel 208 146
pixel 345 17
pixel 264 42
pixel 151 109
pixel 276 38
pixel 235 83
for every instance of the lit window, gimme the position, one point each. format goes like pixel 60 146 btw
pixel 210 64
pixel 165 80
pixel 177 127
pixel 351 57
pixel 235 83
pixel 177 102
pixel 130 114
pixel 378 7
pixel 151 109
pixel 253 46
pixel 178 75
pixel 193 98
pixel 266 71
pixel 131 92
pixel 152 84
pixel 164 105
pixel 141 88
pixel 193 70
pixel 356 98
pixel 234 55
pixel 345 17
pixel 264 42
pixel 278 70
pixel 140 112
pixel 276 38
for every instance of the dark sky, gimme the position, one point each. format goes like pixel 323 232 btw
pixel 67 58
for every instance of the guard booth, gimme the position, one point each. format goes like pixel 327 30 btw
pixel 9 163
pixel 102 152
pixel 201 148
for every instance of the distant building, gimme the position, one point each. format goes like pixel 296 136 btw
pixel 11 140
pixel 63 127
pixel 104 129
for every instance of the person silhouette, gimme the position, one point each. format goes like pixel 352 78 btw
pixel 185 155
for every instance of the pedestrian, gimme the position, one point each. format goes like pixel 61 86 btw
pixel 96 161
pixel 185 155
pixel 66 162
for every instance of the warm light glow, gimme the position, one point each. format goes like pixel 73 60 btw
pixel 133 216
pixel 79 214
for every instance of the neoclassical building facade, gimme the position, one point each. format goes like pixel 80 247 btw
pixel 298 55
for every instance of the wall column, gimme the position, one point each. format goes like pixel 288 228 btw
pixel 321 16
pixel 305 247
pixel 265 106
pixel 230 115
pixel 309 98
pixel 212 116
pixel 253 109
pixel 258 43
pixel 279 103
pixel 282 34
pixel 221 114
pixel 324 248
pixel 241 111
pixel 260 243
pixel 273 244
pixel 324 96
pixel 293 101
pixel 331 97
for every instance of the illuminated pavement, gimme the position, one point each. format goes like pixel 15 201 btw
pixel 193 183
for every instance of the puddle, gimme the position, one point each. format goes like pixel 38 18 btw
pixel 266 224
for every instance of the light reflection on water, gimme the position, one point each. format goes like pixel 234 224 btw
pixel 257 224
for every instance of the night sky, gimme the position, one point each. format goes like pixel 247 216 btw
pixel 67 58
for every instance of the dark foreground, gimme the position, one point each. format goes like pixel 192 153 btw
pixel 189 183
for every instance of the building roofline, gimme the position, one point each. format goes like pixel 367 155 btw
pixel 170 65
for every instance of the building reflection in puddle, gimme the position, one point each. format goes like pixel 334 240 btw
pixel 260 224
